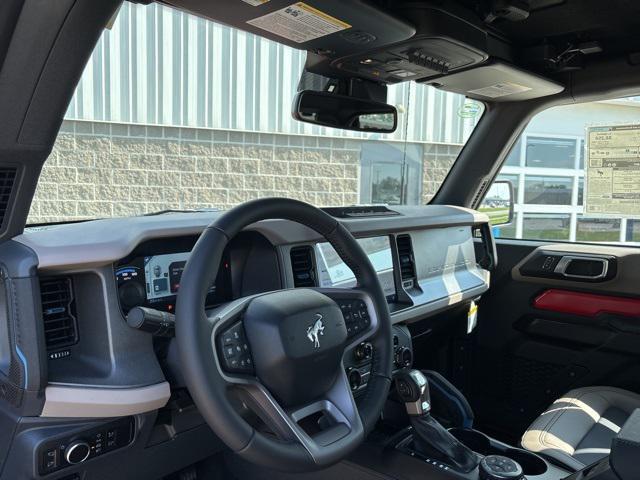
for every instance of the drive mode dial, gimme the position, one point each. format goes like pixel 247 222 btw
pixel 77 452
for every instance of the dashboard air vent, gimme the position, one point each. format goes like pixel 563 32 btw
pixel 60 328
pixel 7 179
pixel 407 262
pixel 303 268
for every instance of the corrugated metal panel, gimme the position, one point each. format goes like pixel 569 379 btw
pixel 161 66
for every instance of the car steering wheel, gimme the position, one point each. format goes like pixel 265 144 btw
pixel 281 352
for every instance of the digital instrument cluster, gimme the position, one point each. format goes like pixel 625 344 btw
pixel 154 281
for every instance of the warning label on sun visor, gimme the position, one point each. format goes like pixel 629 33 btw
pixel 612 171
pixel 299 23
pixel 500 90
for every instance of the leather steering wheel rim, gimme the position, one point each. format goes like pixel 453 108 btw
pixel 197 351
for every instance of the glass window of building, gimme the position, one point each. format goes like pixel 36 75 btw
pixel 550 152
pixel 513 158
pixel 540 226
pixel 543 190
pixel 580 191
pixel 598 229
pixel 633 230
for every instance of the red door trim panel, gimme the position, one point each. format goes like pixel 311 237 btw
pixel 586 304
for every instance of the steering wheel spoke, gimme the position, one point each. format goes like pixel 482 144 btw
pixel 329 421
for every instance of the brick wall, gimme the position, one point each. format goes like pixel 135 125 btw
pixel 105 169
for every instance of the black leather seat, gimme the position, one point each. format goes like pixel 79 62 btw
pixel 577 429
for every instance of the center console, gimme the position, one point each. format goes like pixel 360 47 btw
pixel 459 453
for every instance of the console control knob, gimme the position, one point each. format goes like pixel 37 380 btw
pixel 354 377
pixel 404 357
pixel 498 467
pixel 363 351
pixel 77 452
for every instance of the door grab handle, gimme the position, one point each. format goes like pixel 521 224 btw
pixel 565 261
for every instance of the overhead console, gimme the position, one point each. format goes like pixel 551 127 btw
pixel 431 52
pixel 449 52
pixel 440 43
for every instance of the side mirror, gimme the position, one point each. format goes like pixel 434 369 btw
pixel 498 203
pixel 344 112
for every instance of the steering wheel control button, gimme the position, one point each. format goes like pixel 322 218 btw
pixel 498 467
pixel 356 316
pixel 236 355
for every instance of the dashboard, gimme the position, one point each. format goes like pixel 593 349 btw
pixel 91 275
pixel 424 255
pixel 100 270
pixel 150 275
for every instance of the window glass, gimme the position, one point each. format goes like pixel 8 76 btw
pixel 544 190
pixel 546 226
pixel 514 155
pixel 598 230
pixel 580 191
pixel 633 230
pixel 551 207
pixel 550 152
pixel 177 112
pixel 508 230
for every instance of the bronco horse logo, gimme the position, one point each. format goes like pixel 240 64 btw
pixel 315 330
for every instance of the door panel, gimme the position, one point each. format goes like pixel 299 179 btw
pixel 525 357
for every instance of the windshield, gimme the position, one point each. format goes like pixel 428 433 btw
pixel 174 112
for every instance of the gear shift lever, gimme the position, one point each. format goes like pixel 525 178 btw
pixel 429 437
pixel 413 388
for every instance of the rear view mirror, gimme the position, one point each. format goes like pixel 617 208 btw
pixel 344 112
pixel 498 203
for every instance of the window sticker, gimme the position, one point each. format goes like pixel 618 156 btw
pixel 612 171
pixel 299 23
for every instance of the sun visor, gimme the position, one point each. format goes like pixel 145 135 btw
pixel 497 82
pixel 333 27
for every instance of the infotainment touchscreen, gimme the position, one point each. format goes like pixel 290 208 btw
pixel 333 272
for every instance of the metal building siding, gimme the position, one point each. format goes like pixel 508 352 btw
pixel 164 67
